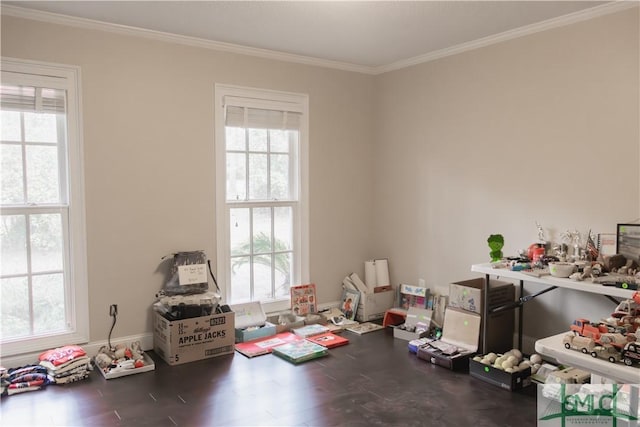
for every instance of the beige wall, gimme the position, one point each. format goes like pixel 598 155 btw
pixel 540 128
pixel 419 165
pixel 149 158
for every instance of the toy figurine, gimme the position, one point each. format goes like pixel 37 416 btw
pixel 541 238
pixel 496 243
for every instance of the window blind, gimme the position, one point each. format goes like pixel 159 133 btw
pixel 28 98
pixel 261 119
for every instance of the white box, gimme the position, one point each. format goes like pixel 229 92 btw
pixel 149 365
pixel 414 316
pixel 372 306
pixel 188 340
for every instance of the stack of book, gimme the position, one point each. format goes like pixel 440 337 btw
pixel 266 344
pixel 300 351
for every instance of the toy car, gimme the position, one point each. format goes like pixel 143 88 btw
pixel 609 352
pixel 576 342
pixel 631 353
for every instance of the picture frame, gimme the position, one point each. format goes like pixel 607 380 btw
pixel 607 243
pixel 628 241
pixel 303 299
pixel 349 303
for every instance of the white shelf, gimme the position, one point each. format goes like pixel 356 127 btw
pixel 553 347
pixel 584 286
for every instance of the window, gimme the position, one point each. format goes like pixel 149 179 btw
pixel 261 170
pixel 43 285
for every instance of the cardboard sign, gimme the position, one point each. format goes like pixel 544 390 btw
pixel 192 274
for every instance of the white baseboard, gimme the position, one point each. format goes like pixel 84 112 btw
pixel 92 348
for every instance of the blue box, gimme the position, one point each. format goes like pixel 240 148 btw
pixel 255 332
pixel 251 322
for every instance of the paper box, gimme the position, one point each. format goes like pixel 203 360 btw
pixel 251 322
pixel 495 376
pixel 468 294
pixel 461 329
pixel 286 322
pixel 372 306
pixel 188 340
pixel 417 318
pixel 413 296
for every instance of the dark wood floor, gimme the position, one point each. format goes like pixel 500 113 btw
pixel 372 381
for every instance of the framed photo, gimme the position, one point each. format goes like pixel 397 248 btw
pixel 628 241
pixel 349 303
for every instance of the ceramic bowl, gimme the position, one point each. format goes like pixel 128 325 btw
pixel 561 269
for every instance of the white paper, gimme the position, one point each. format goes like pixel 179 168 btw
pixel 370 274
pixel 192 274
pixel 382 272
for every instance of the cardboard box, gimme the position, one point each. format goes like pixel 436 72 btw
pixel 415 316
pixel 413 296
pixel 461 329
pixel 251 322
pixel 495 376
pixel 372 306
pixel 468 294
pixel 188 340
pixel 286 322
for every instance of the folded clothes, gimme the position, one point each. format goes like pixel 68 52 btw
pixel 14 373
pixel 67 366
pixel 29 377
pixel 10 391
pixel 79 369
pixel 61 355
pixel 72 377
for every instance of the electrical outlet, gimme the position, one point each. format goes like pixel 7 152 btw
pixel 422 283
pixel 113 310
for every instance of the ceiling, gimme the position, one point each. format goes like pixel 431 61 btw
pixel 364 35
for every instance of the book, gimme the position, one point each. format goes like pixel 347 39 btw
pixel 265 345
pixel 310 330
pixel 364 328
pixel 300 351
pixel 329 340
pixel 303 299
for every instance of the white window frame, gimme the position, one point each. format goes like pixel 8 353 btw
pixel 258 98
pixel 65 77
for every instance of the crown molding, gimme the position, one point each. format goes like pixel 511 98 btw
pixel 90 24
pixel 548 24
pixel 55 18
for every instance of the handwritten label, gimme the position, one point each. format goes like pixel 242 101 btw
pixel 191 274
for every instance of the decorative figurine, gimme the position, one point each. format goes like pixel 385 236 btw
pixel 496 243
pixel 541 238
pixel 573 238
